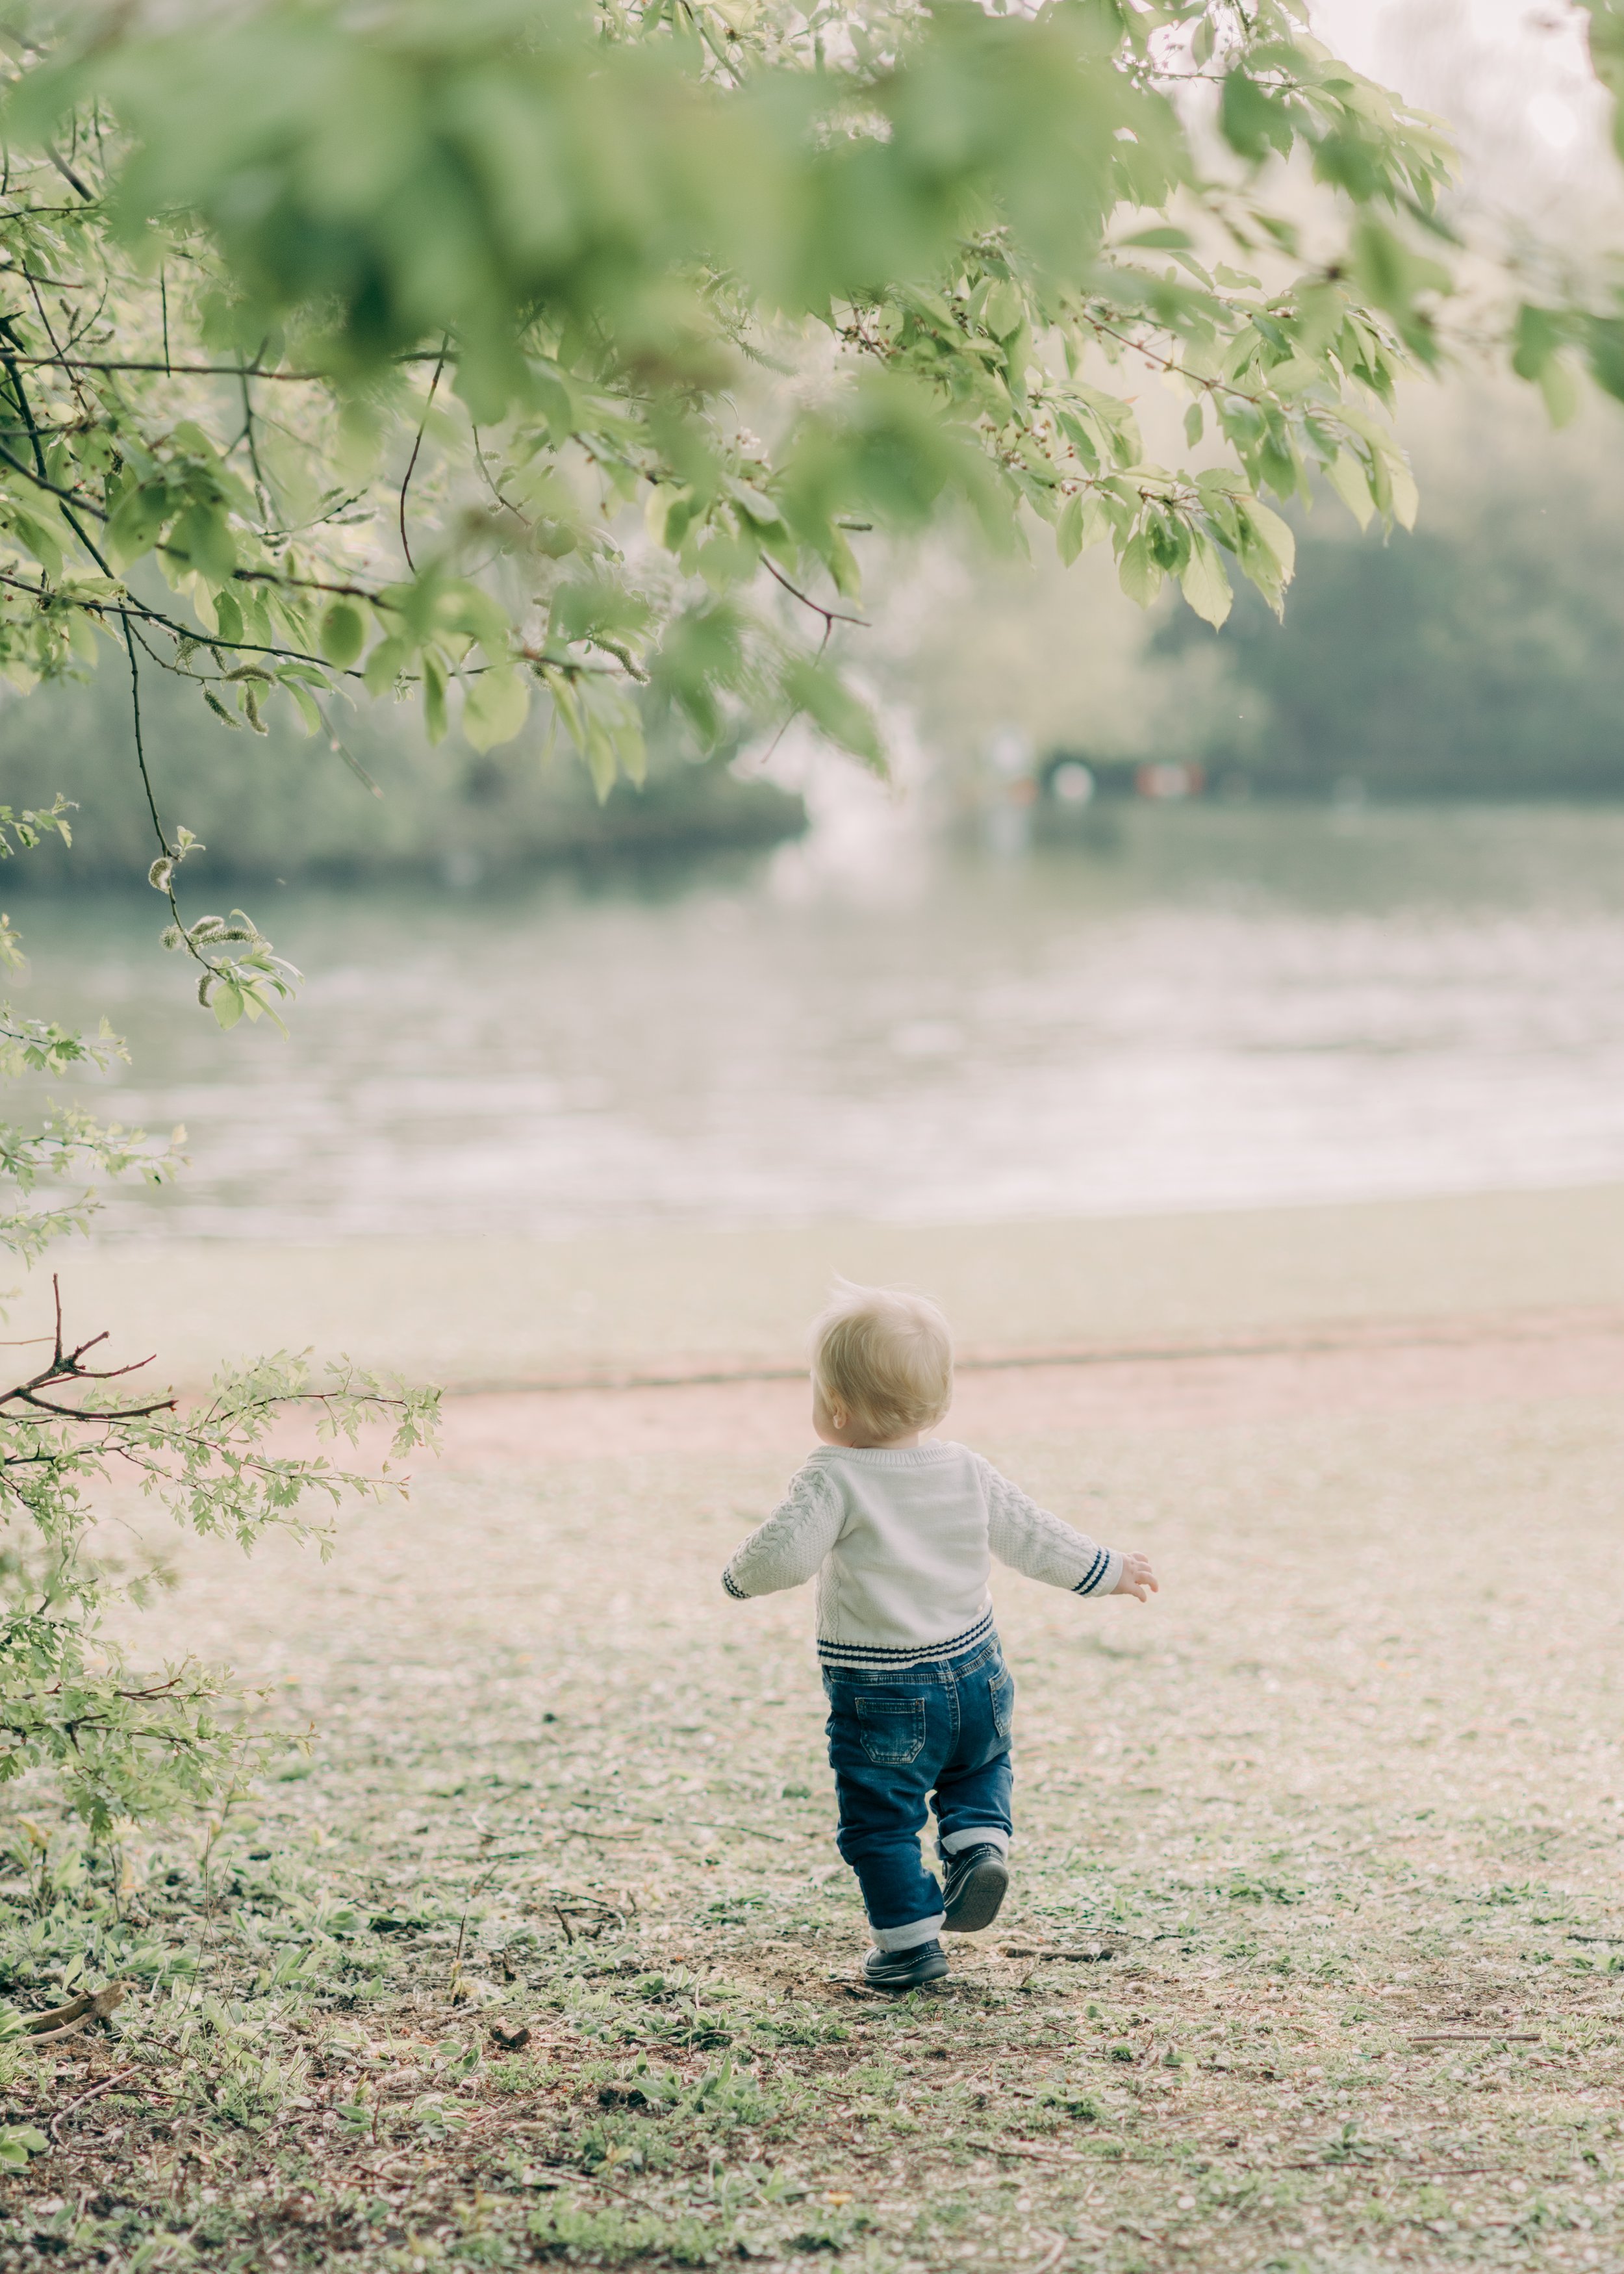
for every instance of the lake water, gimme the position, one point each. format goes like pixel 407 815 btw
pixel 1196 1008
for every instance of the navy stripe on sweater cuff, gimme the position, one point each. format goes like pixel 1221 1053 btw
pixel 734 1588
pixel 1095 1572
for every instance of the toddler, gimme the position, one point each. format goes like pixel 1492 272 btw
pixel 900 1533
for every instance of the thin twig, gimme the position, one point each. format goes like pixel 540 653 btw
pixel 119 2076
pixel 411 463
pixel 253 447
pixel 137 611
pixel 69 176
pixel 829 615
pixel 165 847
pixel 1476 2038
pixel 1023 2147
pixel 177 370
pixel 73 497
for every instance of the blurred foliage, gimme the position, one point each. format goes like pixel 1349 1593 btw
pixel 1482 655
pixel 285 807
pixel 416 347
pixel 1439 669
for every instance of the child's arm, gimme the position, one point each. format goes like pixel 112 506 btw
pixel 1030 1540
pixel 788 1549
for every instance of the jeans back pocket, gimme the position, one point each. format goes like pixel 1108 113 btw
pixel 1001 1694
pixel 891 1729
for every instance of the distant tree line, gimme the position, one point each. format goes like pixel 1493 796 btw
pixel 1483 658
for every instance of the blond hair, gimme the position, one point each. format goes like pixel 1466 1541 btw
pixel 884 1355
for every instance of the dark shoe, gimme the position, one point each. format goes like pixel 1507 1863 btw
pixel 973 1888
pixel 904 1970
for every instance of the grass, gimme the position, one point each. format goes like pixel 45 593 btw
pixel 541 1954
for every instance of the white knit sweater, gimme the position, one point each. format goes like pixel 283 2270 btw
pixel 901 1541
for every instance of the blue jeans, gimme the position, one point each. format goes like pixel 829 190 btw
pixel 897 1734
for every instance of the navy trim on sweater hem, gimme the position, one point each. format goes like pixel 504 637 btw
pixel 859 1653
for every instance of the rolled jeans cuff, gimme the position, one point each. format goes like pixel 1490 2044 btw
pixel 909 1937
pixel 975 1835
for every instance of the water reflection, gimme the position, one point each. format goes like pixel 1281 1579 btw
pixel 1192 1008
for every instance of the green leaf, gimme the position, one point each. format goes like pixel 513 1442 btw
pixel 604 724
pixel 225 1001
pixel 343 633
pixel 602 762
pixel 135 527
pixel 552 392
pixel 754 505
pixel 1204 583
pixel 1253 119
pixel 835 711
pixel 590 608
pixel 497 706
pixel 669 514
pixel 1406 496
pixel 1137 572
pixel 1069 531
pixel 17 2142
pixel 1297 373
pixel 1005 310
pixel 305 704
pixel 32 532
pixel 1273 534
pixel 1535 336
pixel 1604 340
pixel 1084 520
pixel 465 608
pixel 1391 273
pixel 434 717
pixel 632 747
pixel 841 563
pixel 1560 389
pixel 1168 537
pixel 1346 476
pixel 228 614
pixel 202 537
pixel 386 663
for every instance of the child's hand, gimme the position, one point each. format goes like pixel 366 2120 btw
pixel 1138 1579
